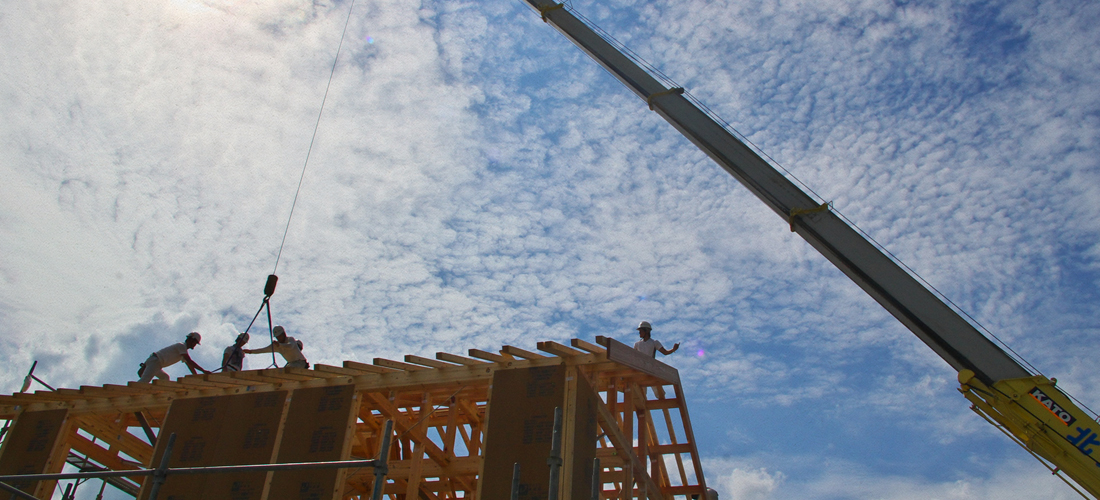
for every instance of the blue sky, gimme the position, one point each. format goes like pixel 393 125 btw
pixel 477 181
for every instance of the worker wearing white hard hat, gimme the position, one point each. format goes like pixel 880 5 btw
pixel 233 357
pixel 158 361
pixel 288 347
pixel 650 346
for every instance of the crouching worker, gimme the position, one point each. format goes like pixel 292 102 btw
pixel 158 361
pixel 233 359
pixel 289 348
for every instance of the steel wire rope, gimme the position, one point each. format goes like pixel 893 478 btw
pixel 298 190
pixel 313 139
pixel 669 82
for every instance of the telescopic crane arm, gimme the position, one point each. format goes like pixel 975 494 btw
pixel 1037 414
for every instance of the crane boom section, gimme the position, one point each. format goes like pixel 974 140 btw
pixel 1038 416
pixel 940 327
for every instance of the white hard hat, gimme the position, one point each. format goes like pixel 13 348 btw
pixel 196 336
pixel 711 494
pixel 645 326
pixel 242 336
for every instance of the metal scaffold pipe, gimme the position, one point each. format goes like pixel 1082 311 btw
pixel 555 457
pixel 597 485
pixel 341 464
pixel 515 481
pixel 380 467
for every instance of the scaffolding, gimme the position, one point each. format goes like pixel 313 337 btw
pixel 462 425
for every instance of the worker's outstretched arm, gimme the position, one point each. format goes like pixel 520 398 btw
pixel 192 365
pixel 270 348
pixel 675 348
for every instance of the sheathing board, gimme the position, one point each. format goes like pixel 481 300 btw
pixel 31 447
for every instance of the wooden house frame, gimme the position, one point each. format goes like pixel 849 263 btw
pixel 440 409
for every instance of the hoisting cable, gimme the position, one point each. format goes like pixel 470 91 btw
pixel 316 126
pixel 272 279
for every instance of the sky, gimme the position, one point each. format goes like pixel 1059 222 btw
pixel 477 181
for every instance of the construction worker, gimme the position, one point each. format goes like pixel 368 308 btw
pixel 289 348
pixel 158 361
pixel 650 346
pixel 233 358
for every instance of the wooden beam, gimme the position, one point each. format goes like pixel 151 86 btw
pixel 100 455
pixel 690 436
pixel 454 358
pixel 687 491
pixel 298 374
pixel 407 427
pixel 430 363
pixel 256 376
pixel 225 378
pixel 662 404
pixel 190 383
pixel 397 365
pixel 44 396
pixel 587 346
pixel 449 427
pixel 363 367
pixel 627 421
pixel 413 487
pixel 671 429
pixel 336 370
pixel 411 429
pixel 558 349
pixel 488 356
pixel 117 436
pixel 399 469
pixel 472 412
pixel 111 391
pixel 520 353
pixel 164 386
pixel 607 421
pixel 669 449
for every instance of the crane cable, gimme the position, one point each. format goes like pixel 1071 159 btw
pixel 272 279
pixel 316 126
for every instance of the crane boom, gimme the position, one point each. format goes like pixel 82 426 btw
pixel 1029 407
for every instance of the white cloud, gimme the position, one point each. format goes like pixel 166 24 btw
pixel 477 181
pixel 740 479
pixel 755 484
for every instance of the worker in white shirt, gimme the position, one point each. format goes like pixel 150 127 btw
pixel 650 346
pixel 158 361
pixel 289 348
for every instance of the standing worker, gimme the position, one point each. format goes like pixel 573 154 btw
pixel 649 345
pixel 289 348
pixel 233 358
pixel 158 361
